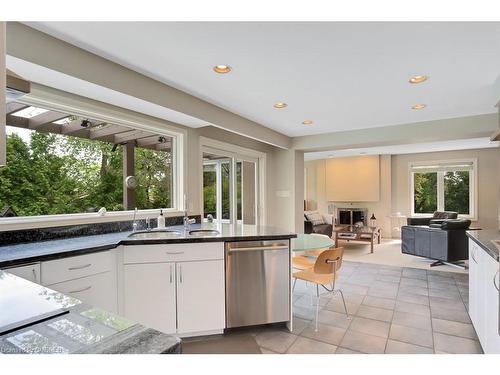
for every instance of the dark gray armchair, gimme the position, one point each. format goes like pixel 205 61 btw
pixel 437 217
pixel 441 239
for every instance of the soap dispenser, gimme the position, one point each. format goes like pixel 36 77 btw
pixel 161 220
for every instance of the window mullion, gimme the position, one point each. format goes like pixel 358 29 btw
pixel 440 192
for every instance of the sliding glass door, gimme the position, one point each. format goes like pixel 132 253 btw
pixel 230 187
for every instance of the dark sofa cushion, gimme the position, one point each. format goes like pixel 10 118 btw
pixel 323 229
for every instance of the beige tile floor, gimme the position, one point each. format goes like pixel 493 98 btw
pixel 392 310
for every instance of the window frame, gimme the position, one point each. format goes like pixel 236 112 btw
pixel 452 164
pixel 116 116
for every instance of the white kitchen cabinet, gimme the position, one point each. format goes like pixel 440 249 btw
pixel 29 272
pixel 200 296
pixel 96 290
pixel 484 297
pixel 149 295
pixel 175 288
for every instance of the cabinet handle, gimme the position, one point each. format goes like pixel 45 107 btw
pixel 472 255
pixel 171 274
pixel 494 281
pixel 79 267
pixel 34 275
pixel 80 290
pixel 180 273
pixel 174 252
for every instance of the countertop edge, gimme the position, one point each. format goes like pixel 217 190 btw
pixel 128 242
pixel 486 245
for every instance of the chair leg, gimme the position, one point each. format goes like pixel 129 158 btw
pixel 345 306
pixel 317 308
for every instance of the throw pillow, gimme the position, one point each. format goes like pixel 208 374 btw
pixel 315 218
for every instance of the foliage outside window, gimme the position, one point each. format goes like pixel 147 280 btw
pixel 443 188
pixel 50 174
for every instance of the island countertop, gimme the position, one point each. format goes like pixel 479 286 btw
pixel 12 255
pixel 82 329
pixel 484 238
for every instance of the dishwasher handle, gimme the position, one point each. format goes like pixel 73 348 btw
pixel 257 248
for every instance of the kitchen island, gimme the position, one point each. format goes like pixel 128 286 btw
pixel 39 320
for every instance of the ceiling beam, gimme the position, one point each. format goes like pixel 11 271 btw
pixel 107 130
pixel 19 122
pixel 154 139
pixel 45 120
pixel 131 135
pixel 14 107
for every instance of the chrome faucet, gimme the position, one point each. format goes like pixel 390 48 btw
pixel 187 221
pixel 134 223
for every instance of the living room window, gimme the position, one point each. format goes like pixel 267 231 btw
pixel 444 186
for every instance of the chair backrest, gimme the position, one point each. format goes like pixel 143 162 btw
pixel 445 215
pixel 322 265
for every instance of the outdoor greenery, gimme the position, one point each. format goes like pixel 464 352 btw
pixel 425 192
pixel 456 191
pixel 55 174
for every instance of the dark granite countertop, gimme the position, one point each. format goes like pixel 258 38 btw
pixel 83 329
pixel 12 255
pixel 484 238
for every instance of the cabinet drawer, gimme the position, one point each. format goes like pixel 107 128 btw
pixel 56 271
pixel 97 290
pixel 30 272
pixel 173 253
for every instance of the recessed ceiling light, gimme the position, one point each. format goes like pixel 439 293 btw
pixel 280 105
pixel 418 106
pixel 418 79
pixel 307 122
pixel 222 69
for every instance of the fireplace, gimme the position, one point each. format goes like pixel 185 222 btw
pixel 352 216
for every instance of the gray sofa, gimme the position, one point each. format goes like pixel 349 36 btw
pixel 440 238
pixel 326 227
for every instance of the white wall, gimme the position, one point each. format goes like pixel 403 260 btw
pixel 317 192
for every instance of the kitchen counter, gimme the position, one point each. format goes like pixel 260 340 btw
pixel 11 255
pixel 83 329
pixel 484 238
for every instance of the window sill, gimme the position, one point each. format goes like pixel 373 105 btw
pixel 45 221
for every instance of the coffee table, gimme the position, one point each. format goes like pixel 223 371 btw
pixel 356 233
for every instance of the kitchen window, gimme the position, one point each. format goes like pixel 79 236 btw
pixel 67 166
pixel 444 186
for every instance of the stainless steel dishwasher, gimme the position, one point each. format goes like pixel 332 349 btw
pixel 257 282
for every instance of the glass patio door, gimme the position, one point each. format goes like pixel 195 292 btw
pixel 230 187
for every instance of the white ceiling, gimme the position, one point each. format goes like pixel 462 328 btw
pixel 340 75
pixel 461 144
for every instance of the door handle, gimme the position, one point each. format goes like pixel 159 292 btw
pixel 174 252
pixel 260 248
pixel 80 290
pixel 34 275
pixel 79 267
pixel 494 281
pixel 171 279
pixel 472 255
pixel 180 273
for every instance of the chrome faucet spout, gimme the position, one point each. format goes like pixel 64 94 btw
pixel 134 222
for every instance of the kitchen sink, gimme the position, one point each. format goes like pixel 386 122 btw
pixel 155 235
pixel 204 232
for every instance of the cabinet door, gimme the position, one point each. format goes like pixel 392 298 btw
pixel 200 296
pixel 149 295
pixel 96 290
pixel 473 280
pixel 492 344
pixel 30 272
